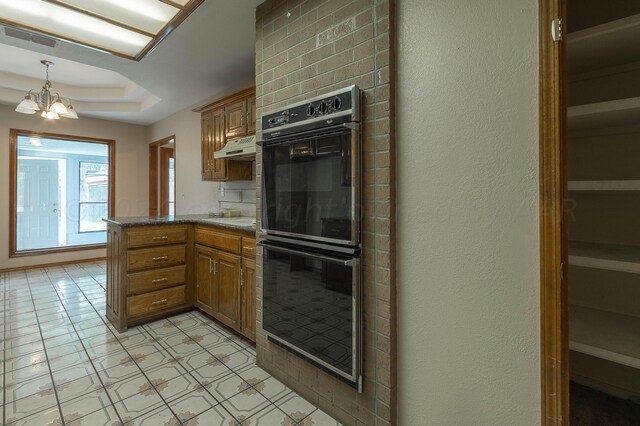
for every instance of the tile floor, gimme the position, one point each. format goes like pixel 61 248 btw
pixel 63 364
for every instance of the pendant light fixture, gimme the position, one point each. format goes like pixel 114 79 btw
pixel 49 103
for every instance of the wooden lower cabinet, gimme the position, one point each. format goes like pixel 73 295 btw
pixel 218 285
pixel 156 271
pixel 204 278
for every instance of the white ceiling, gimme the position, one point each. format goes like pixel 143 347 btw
pixel 209 55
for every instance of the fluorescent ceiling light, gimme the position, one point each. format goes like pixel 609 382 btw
pixel 129 28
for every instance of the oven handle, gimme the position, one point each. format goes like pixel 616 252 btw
pixel 345 262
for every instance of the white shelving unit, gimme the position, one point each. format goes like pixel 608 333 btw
pixel 603 62
pixel 619 112
pixel 609 44
pixel 604 185
pixel 605 335
pixel 605 256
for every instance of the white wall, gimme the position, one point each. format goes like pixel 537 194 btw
pixel 468 237
pixel 131 172
pixel 193 195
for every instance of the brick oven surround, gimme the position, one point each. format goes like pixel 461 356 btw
pixel 305 48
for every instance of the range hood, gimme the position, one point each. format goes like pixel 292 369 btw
pixel 238 149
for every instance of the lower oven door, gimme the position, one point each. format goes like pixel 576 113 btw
pixel 312 305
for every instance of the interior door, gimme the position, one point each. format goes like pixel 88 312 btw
pixel 227 289
pixel 37 204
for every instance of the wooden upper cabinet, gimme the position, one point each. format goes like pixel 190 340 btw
pixel 236 119
pixel 251 115
pixel 219 169
pixel 228 118
pixel 206 122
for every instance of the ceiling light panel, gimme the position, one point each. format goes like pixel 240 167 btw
pixel 73 26
pixel 149 16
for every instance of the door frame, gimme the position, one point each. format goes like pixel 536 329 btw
pixel 155 174
pixel 554 329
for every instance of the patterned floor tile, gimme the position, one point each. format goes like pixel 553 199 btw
pixel 21 408
pixel 245 404
pixel 213 416
pixel 269 417
pixel 273 389
pixel 192 404
pixel 104 417
pixel 50 417
pixel 158 417
pixel 84 405
pixel 138 404
pixel 186 369
pixel 296 407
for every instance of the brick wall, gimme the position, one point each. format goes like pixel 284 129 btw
pixel 306 48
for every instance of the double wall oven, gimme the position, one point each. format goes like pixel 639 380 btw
pixel 311 198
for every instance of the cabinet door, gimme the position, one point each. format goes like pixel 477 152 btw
pixel 227 289
pixel 219 167
pixel 251 115
pixel 248 282
pixel 206 123
pixel 204 279
pixel 236 119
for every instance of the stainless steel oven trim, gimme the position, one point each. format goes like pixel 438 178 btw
pixel 356 198
pixel 354 94
pixel 356 325
pixel 309 121
pixel 345 262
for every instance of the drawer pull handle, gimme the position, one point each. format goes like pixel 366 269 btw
pixel 249 248
pixel 162 238
pixel 160 259
pixel 159 280
pixel 159 302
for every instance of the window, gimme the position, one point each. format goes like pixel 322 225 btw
pixel 62 188
pixel 94 196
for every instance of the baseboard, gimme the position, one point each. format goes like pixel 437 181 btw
pixel 51 265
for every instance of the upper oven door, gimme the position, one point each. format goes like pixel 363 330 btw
pixel 311 186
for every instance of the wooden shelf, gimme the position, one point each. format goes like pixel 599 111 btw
pixel 617 113
pixel 605 256
pixel 610 44
pixel 605 335
pixel 604 185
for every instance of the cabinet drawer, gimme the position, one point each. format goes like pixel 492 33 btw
pixel 220 240
pixel 249 248
pixel 156 301
pixel 142 282
pixel 158 257
pixel 156 236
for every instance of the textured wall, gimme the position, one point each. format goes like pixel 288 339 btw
pixel 321 46
pixel 468 233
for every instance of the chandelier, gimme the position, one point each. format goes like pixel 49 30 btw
pixel 50 103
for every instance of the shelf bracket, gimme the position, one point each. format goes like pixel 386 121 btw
pixel 556 29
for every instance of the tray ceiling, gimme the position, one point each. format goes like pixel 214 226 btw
pixel 126 28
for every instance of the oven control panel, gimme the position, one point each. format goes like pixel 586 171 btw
pixel 335 107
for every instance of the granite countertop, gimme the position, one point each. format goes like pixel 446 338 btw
pixel 235 223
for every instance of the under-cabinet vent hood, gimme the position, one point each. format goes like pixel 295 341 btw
pixel 238 149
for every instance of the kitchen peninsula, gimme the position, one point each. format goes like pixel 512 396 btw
pixel 159 266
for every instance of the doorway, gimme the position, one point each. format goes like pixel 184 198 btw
pixel 590 204
pixel 162 177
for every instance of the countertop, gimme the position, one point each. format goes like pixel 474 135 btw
pixel 234 223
